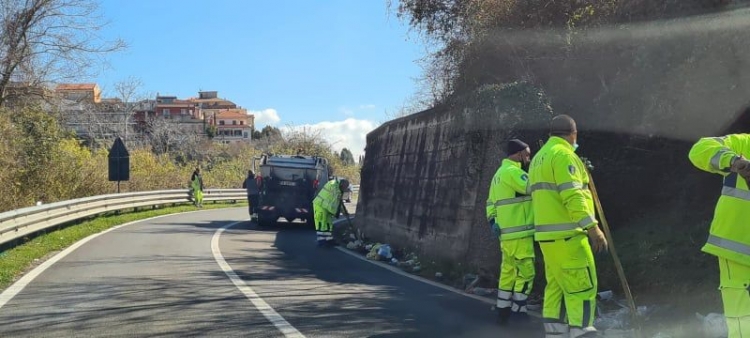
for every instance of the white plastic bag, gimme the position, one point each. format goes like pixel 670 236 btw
pixel 714 325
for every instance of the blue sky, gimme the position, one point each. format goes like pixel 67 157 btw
pixel 306 62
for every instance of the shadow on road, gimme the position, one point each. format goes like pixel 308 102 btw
pixel 325 289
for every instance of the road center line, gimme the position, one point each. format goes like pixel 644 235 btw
pixel 274 317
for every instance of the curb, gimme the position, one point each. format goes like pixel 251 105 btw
pixel 420 278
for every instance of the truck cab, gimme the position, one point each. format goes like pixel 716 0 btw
pixel 288 184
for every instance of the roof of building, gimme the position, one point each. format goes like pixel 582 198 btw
pixel 76 86
pixel 232 114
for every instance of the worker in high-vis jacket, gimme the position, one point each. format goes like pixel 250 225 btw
pixel 511 220
pixel 564 220
pixel 729 238
pixel 327 206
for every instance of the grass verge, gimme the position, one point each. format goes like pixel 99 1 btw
pixel 17 260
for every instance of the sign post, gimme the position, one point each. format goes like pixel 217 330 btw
pixel 119 163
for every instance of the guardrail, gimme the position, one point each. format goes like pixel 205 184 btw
pixel 18 223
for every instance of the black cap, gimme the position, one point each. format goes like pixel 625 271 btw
pixel 344 183
pixel 514 146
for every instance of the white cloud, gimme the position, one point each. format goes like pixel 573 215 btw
pixel 266 117
pixel 346 111
pixel 349 112
pixel 350 133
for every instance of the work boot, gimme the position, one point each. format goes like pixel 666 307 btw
pixel 520 317
pixel 503 315
pixel 522 321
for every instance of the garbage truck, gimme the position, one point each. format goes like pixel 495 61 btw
pixel 288 184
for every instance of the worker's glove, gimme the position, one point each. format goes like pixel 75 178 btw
pixel 739 164
pixel 597 239
pixel 494 227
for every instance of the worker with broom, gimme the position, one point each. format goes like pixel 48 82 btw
pixel 565 222
pixel 729 238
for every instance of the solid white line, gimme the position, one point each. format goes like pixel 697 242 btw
pixel 20 284
pixel 419 278
pixel 274 317
pixel 415 277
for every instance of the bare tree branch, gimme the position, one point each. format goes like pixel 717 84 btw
pixel 43 39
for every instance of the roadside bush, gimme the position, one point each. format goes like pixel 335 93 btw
pixel 43 162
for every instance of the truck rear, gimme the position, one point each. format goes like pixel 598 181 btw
pixel 288 184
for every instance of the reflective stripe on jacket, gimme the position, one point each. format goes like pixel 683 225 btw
pixel 328 198
pixel 729 236
pixel 562 203
pixel 508 201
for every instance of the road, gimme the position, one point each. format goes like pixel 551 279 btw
pixel 160 278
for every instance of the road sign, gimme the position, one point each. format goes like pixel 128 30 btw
pixel 119 162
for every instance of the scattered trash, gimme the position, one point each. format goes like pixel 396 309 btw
pixel 416 268
pixel 482 291
pixel 438 275
pixel 373 254
pixel 470 281
pixel 619 319
pixel 661 335
pixel 354 245
pixel 394 261
pixel 384 251
pixel 352 236
pixel 619 333
pixel 369 247
pixel 714 325
pixel 604 295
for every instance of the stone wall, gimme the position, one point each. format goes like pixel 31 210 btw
pixel 424 179
pixel 641 95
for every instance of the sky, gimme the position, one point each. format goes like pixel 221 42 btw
pixel 338 65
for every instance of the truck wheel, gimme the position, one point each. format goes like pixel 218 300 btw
pixel 264 222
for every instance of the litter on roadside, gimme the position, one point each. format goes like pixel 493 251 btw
pixel 714 325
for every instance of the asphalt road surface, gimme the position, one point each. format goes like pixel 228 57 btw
pixel 161 278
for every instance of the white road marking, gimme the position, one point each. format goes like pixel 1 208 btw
pixel 20 284
pixel 274 317
pixel 415 277
pixel 421 279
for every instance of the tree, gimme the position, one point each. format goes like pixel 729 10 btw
pixel 130 96
pixel 346 157
pixel 49 40
pixel 463 34
pixel 270 132
pixel 108 119
pixel 211 131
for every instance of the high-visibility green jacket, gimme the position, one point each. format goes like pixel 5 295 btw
pixel 328 198
pixel 729 236
pixel 508 202
pixel 562 203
